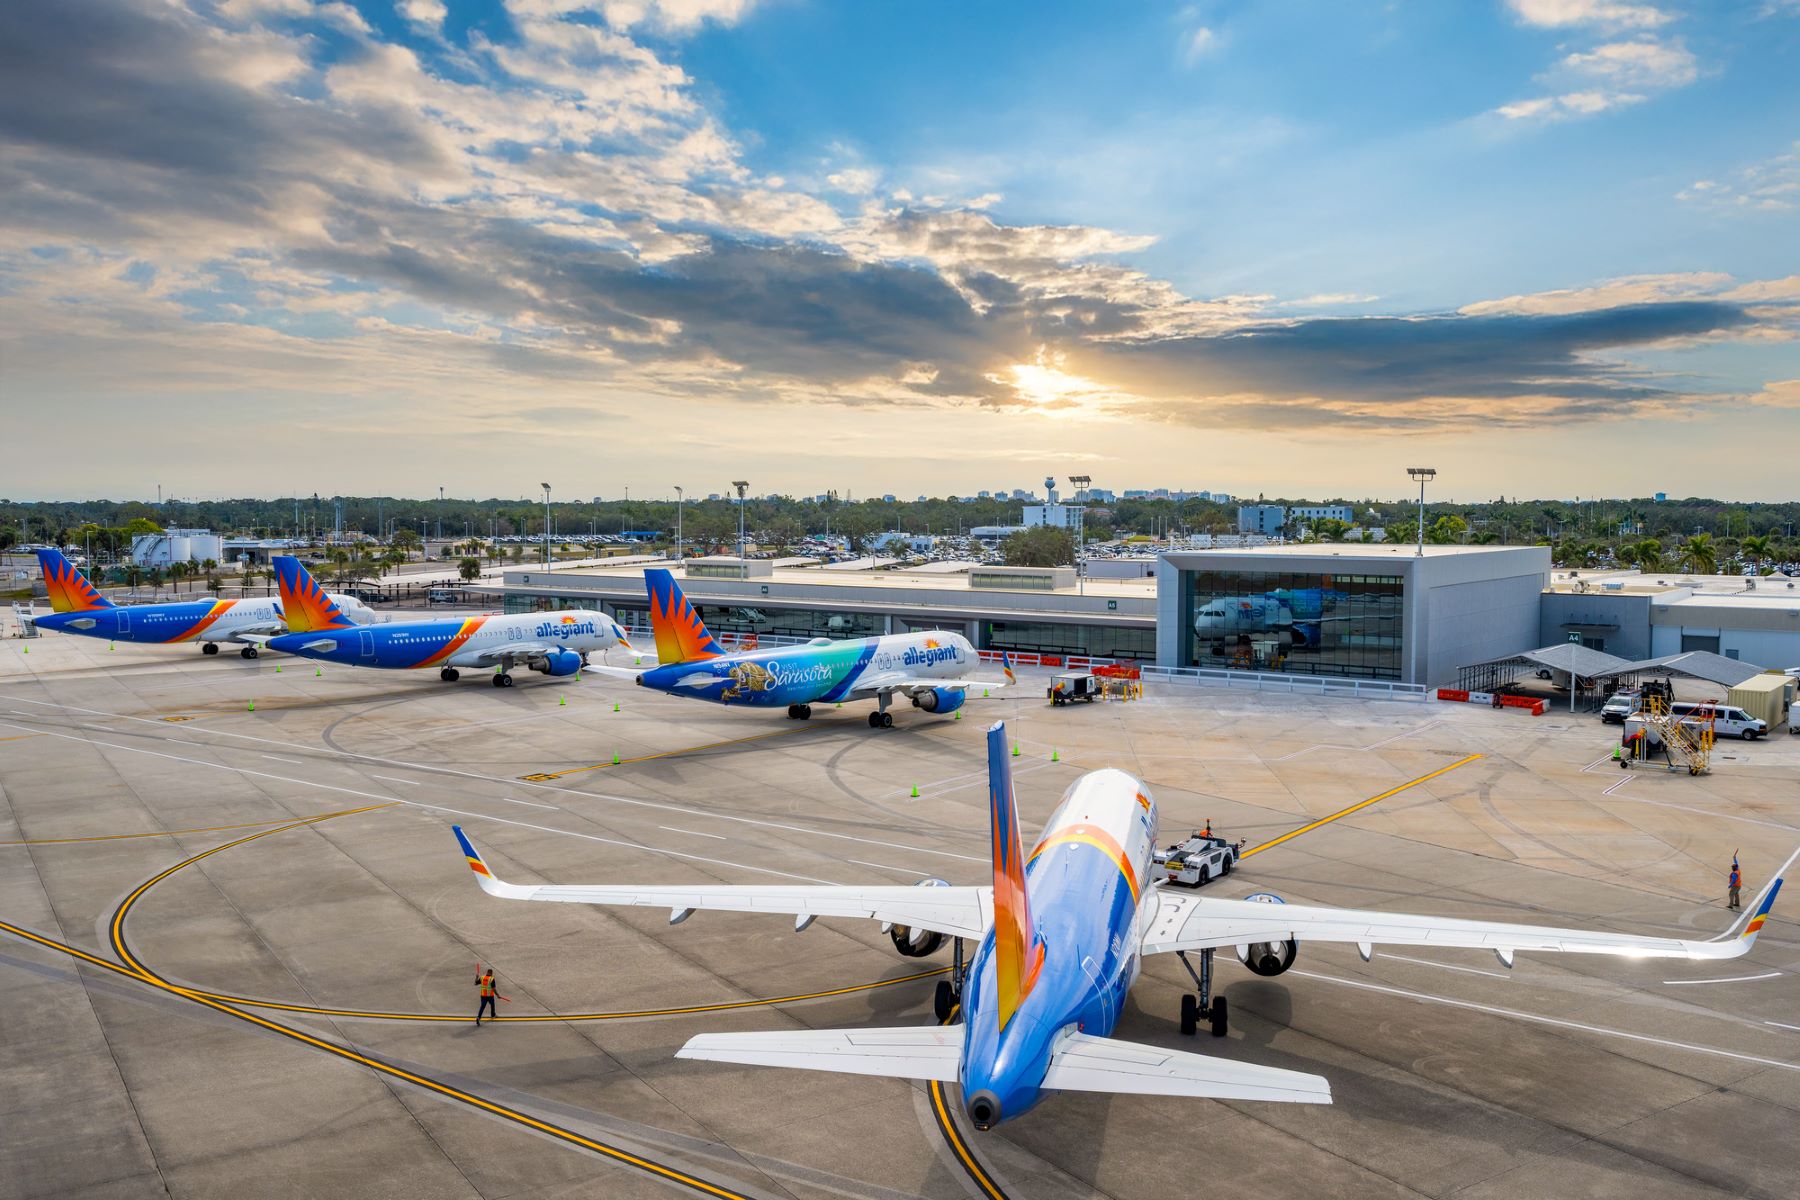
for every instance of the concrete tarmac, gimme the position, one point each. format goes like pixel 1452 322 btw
pixel 218 1040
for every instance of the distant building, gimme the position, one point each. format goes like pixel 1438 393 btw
pixel 1266 519
pixel 1323 512
pixel 984 494
pixel 1057 516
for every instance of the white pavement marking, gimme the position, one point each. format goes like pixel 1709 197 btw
pixel 528 803
pixel 885 867
pixel 1706 812
pixel 1320 746
pixel 328 787
pixel 1407 734
pixel 1782 1025
pixel 1424 962
pixel 694 833
pixel 292 762
pixel 547 787
pixel 395 779
pixel 1538 1019
pixel 1733 979
pixel 1604 758
pixel 1615 787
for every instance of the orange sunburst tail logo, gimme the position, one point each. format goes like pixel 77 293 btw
pixel 303 602
pixel 68 589
pixel 681 636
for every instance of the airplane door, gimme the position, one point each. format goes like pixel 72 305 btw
pixel 124 622
pixel 1092 969
pixel 365 643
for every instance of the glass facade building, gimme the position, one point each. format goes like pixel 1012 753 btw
pixel 1305 622
pixel 1058 638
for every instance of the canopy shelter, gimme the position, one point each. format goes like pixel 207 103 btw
pixel 1690 664
pixel 1583 664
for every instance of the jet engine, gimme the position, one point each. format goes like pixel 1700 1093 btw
pixel 1268 958
pixel 917 943
pixel 560 661
pixel 939 700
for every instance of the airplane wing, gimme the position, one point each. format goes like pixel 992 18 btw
pixel 1081 1063
pixel 1203 923
pixel 513 654
pixel 957 911
pixel 910 1052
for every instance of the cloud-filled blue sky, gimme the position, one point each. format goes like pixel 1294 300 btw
pixel 1553 245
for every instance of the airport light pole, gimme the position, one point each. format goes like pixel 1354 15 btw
pixel 741 485
pixel 547 563
pixel 1422 474
pixel 679 496
pixel 1080 484
pixel 440 513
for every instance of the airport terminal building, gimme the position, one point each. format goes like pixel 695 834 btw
pixel 1344 610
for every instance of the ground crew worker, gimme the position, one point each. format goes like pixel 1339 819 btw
pixel 1737 881
pixel 484 979
pixel 1208 832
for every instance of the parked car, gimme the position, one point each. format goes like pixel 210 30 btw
pixel 1618 706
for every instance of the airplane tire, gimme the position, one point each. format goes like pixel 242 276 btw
pixel 806 712
pixel 499 680
pixel 875 720
pixel 506 681
pixel 1218 1016
pixel 449 674
pixel 943 1003
pixel 887 720
pixel 247 652
pixel 1190 1014
pixel 209 647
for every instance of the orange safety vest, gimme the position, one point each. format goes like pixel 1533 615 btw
pixel 487 983
pixel 1735 879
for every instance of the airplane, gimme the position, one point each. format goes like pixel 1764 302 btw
pixel 1061 936
pixel 928 668
pixel 554 643
pixel 78 607
pixel 1297 614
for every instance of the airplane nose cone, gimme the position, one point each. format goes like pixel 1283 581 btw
pixel 984 1109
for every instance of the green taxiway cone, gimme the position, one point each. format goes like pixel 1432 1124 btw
pixel 317 672
pixel 915 791
pixel 615 706
pixel 1015 749
pixel 110 646
pixel 615 761
pixel 984 693
pixel 1055 757
pixel 959 716
pixel 253 706
pixel 278 670
pixel 561 701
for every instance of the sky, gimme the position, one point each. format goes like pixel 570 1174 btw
pixel 270 247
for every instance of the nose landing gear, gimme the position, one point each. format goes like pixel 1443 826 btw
pixel 799 712
pixel 248 652
pixel 502 679
pixel 1201 1004
pixel 209 647
pixel 449 674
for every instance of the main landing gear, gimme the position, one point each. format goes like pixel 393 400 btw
pixel 1195 1007
pixel 248 652
pixel 449 674
pixel 881 720
pixel 799 712
pixel 502 679
pixel 949 991
pixel 209 647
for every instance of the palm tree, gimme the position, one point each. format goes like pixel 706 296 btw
pixel 1758 548
pixel 1648 554
pixel 1699 555
pixel 1486 537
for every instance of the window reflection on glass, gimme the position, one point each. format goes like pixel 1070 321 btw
pixel 1314 624
pixel 1048 637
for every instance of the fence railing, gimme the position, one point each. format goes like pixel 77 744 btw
pixel 1276 681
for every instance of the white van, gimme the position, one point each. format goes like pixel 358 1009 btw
pixel 1727 720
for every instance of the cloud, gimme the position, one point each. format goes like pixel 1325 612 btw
pixel 1771 186
pixel 667 16
pixel 427 16
pixel 194 207
pixel 1569 14
pixel 1198 44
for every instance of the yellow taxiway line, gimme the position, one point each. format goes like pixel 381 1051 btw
pixel 1357 807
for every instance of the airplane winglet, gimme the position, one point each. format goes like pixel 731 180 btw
pixel 477 864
